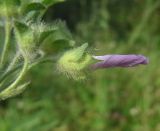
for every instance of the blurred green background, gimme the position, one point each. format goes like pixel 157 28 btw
pixel 108 100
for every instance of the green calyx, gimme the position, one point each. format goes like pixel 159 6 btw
pixel 74 62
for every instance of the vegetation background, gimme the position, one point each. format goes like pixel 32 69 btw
pixel 109 100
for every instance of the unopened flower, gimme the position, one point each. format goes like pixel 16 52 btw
pixel 108 61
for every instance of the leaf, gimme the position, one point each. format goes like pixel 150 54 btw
pixel 24 36
pixel 1 23
pixel 44 35
pixel 20 27
pixel 20 30
pixel 9 8
pixel 13 92
pixel 51 2
pixel 58 32
pixel 10 2
pixel 31 11
pixel 33 7
pixel 21 88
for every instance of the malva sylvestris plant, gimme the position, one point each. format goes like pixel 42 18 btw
pixel 23 18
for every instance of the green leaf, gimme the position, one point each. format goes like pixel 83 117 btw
pixel 13 92
pixel 33 7
pixel 55 33
pixel 9 8
pixel 20 27
pixel 10 2
pixel 32 11
pixel 44 35
pixel 51 2
pixel 24 35
pixel 59 32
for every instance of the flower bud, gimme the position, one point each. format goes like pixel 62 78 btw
pixel 74 62
pixel 108 61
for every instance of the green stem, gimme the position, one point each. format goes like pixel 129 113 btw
pixel 143 22
pixel 51 60
pixel 100 104
pixel 9 89
pixel 7 40
pixel 13 62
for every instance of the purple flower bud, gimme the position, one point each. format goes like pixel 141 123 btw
pixel 119 61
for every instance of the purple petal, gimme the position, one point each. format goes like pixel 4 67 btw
pixel 105 57
pixel 119 61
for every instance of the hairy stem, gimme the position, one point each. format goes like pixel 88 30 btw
pixel 6 43
pixel 9 89
pixel 13 62
pixel 46 60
